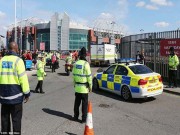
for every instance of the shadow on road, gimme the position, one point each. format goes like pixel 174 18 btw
pixel 48 71
pixel 119 98
pixel 62 74
pixel 32 91
pixel 57 113
pixel 34 74
pixel 70 133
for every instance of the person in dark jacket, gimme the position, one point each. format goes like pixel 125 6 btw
pixel 142 58
pixel 138 57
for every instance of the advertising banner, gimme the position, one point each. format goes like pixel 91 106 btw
pixel 42 46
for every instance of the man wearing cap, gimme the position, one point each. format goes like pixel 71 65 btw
pixel 82 79
pixel 173 63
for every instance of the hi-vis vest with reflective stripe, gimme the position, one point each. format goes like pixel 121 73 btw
pixel 14 83
pixel 173 62
pixel 69 60
pixel 40 70
pixel 82 74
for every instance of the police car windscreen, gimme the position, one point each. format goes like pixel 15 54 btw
pixel 140 69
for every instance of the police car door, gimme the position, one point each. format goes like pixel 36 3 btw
pixel 120 76
pixel 108 78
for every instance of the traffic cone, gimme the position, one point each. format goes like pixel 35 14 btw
pixel 89 123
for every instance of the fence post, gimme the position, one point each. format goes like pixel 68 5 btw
pixel 154 42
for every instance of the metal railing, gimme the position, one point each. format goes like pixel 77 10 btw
pixel 150 43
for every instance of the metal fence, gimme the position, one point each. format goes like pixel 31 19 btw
pixel 150 43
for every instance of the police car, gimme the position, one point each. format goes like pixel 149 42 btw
pixel 130 80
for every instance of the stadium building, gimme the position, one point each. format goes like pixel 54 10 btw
pixel 60 34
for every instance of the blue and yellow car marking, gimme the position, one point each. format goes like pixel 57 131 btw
pixel 134 89
pixel 114 82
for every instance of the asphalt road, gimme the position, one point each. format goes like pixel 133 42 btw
pixel 51 113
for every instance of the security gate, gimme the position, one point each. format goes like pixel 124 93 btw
pixel 150 44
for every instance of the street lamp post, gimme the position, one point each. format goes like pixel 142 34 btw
pixel 41 37
pixel 36 43
pixel 21 27
pixel 154 38
pixel 32 45
pixel 15 32
pixel 141 32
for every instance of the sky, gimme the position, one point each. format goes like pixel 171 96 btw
pixel 129 16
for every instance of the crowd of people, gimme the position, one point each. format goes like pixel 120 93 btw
pixel 14 85
pixel 48 57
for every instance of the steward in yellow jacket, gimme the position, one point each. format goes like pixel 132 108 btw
pixel 40 75
pixel 173 63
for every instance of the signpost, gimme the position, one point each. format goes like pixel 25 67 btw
pixel 165 44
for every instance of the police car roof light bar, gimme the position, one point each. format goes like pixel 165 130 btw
pixel 126 60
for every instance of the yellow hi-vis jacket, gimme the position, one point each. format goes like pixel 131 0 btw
pixel 40 70
pixel 69 60
pixel 48 56
pixel 44 61
pixel 82 77
pixel 14 83
pixel 173 62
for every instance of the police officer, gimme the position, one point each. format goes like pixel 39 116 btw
pixel 173 63
pixel 44 61
pixel 14 88
pixel 69 59
pixel 40 75
pixel 82 83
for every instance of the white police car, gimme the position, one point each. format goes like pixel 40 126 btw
pixel 130 80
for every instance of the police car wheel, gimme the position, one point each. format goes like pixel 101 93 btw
pixel 125 93
pixel 95 84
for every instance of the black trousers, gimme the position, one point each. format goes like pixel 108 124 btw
pixel 53 67
pixel 50 65
pixel 172 77
pixel 78 98
pixel 15 111
pixel 39 86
